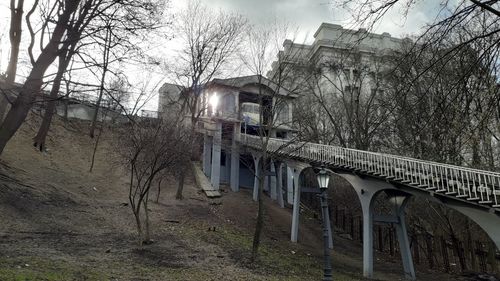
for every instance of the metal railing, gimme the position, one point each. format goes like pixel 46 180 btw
pixel 482 187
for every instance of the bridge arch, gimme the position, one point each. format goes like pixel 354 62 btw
pixel 367 190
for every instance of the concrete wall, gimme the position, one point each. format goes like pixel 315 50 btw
pixel 86 112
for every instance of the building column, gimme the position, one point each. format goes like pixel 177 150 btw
pixel 289 184
pixel 207 155
pixel 235 159
pixel 216 153
pixel 227 178
pixel 235 169
pixel 279 184
pixel 297 170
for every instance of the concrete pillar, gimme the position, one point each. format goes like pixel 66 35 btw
pixel 235 168
pixel 279 184
pixel 216 152
pixel 207 155
pixel 235 159
pixel 296 203
pixel 289 185
pixel 256 161
pixel 367 209
pixel 227 179
pixel 404 245
pixel 272 181
pixel 366 191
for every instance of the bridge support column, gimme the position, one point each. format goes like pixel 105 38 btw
pixel 256 161
pixel 207 154
pixel 297 169
pixel 400 202
pixel 367 208
pixel 216 152
pixel 367 191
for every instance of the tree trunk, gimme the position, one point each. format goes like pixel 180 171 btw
pixel 39 140
pixel 137 215
pixel 107 47
pixel 180 186
pixel 260 214
pixel 20 108
pixel 147 237
pixel 97 142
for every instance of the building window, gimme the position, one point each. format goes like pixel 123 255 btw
pixel 282 114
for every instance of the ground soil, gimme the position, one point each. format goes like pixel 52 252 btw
pixel 58 221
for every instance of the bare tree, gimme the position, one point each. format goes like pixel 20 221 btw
pixel 350 91
pixel 16 17
pixel 148 147
pixel 210 39
pixel 72 18
pixel 274 96
pixel 447 112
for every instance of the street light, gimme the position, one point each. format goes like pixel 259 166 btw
pixel 323 179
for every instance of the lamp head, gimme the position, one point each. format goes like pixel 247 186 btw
pixel 323 178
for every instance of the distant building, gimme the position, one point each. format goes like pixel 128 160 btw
pixel 345 66
pixel 228 108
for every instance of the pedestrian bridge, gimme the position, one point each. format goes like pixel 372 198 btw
pixel 475 187
pixel 474 193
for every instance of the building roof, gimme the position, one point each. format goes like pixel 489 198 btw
pixel 242 81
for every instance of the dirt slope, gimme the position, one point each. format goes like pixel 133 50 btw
pixel 58 221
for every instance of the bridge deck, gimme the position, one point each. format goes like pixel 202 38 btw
pixel 466 184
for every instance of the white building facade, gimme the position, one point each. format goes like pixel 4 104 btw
pixel 342 76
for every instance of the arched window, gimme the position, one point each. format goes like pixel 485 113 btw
pixel 282 114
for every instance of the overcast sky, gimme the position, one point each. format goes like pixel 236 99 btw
pixel 305 15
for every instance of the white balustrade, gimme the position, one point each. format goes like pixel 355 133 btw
pixel 461 182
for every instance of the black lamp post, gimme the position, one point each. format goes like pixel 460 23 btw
pixel 323 179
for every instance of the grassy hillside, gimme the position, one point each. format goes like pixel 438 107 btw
pixel 60 222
